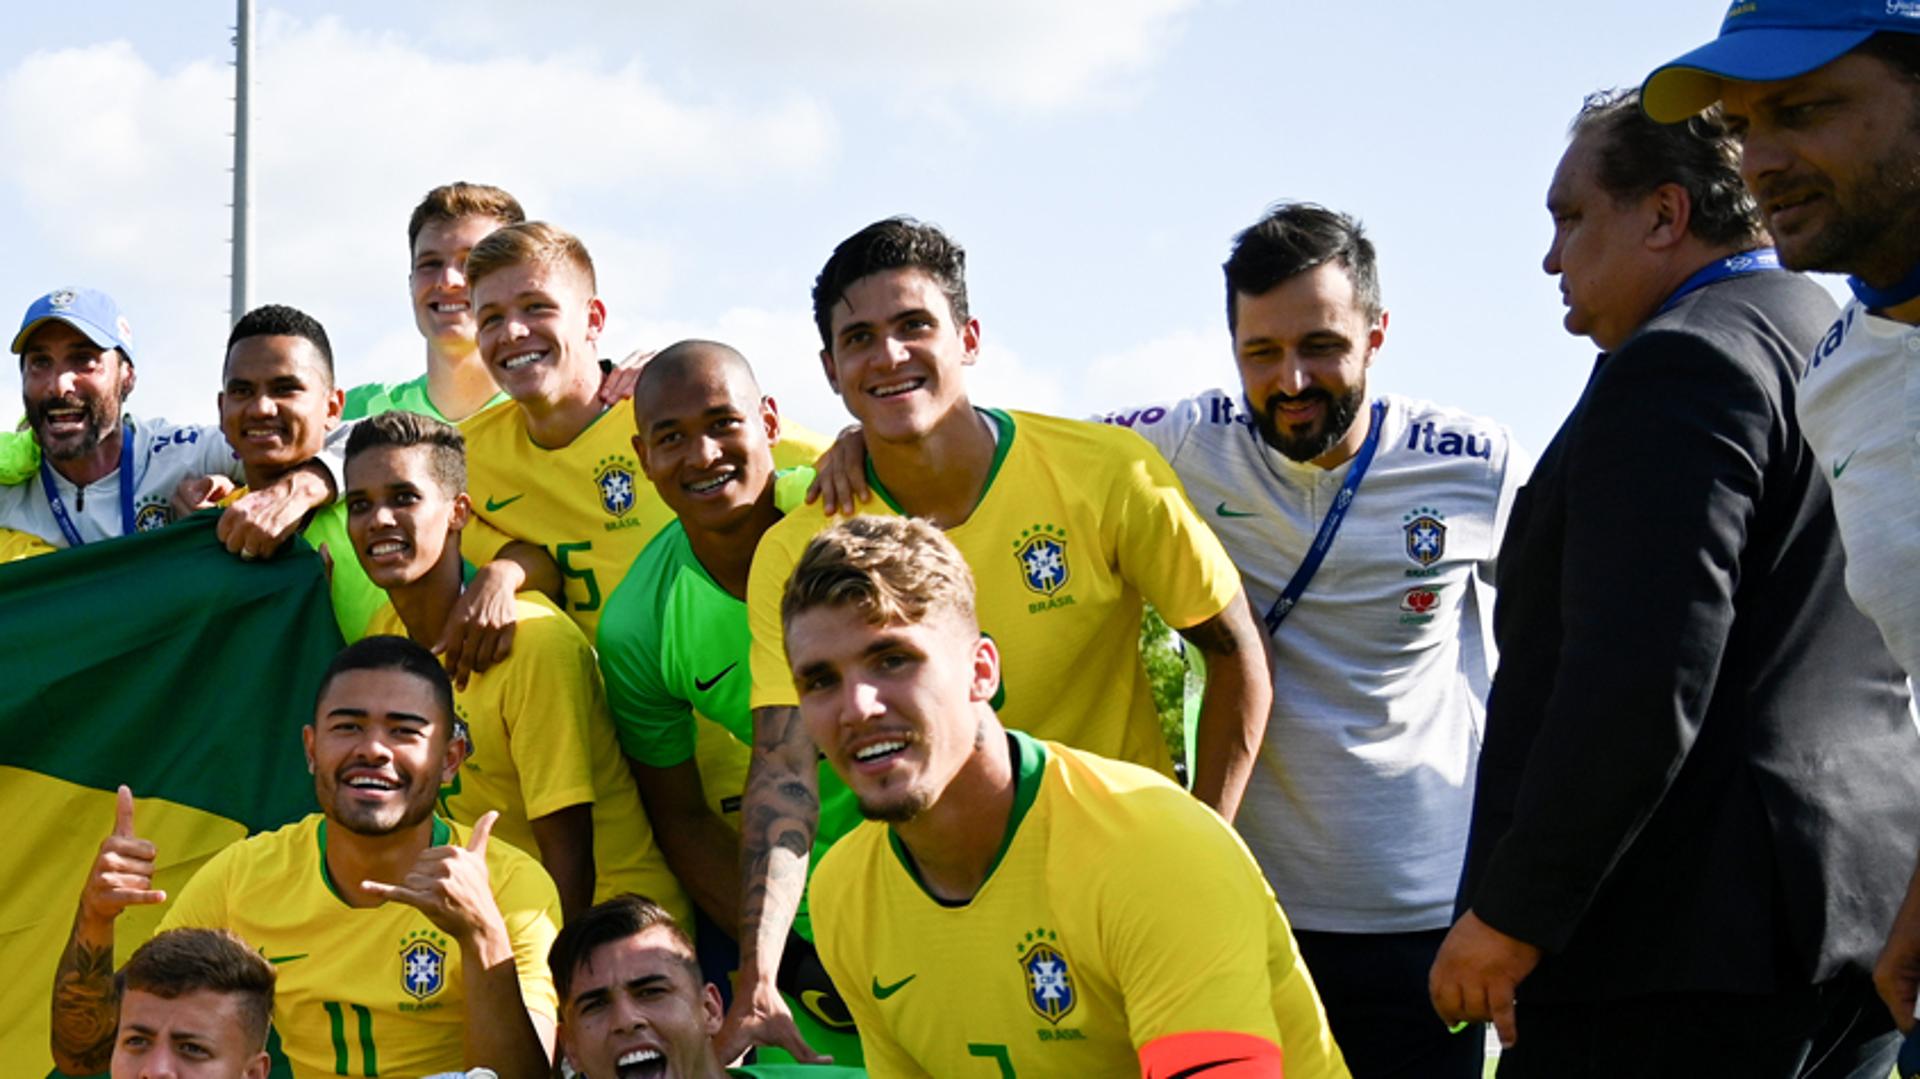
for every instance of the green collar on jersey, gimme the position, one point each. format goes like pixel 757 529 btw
pixel 442 833
pixel 1029 766
pixel 1002 443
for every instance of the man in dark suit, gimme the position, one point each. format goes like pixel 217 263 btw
pixel 1698 751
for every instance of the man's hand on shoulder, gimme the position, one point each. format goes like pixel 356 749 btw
pixel 259 522
pixel 479 630
pixel 196 493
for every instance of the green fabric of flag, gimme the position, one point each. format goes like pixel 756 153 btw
pixel 165 663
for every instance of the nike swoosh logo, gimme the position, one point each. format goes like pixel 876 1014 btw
pixel 1223 511
pixel 496 507
pixel 1188 1073
pixel 882 992
pixel 276 960
pixel 1842 466
pixel 701 685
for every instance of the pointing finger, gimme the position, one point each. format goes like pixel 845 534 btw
pixel 482 828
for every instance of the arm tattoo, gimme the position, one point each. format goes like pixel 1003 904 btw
pixel 84 1016
pixel 781 810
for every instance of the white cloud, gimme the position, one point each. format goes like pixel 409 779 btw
pixel 122 171
pixel 1167 368
pixel 1017 53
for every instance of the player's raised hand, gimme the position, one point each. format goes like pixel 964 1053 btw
pixel 618 383
pixel 122 874
pixel 451 886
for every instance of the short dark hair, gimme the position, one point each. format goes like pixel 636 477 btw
pixel 616 919
pixel 1638 154
pixel 1293 238
pixel 451 202
pixel 446 447
pixel 279 320
pixel 1900 51
pixel 893 244
pixel 182 961
pixel 386 653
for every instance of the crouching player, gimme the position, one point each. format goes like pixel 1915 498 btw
pixel 1051 911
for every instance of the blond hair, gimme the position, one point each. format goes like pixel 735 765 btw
pixel 533 242
pixel 894 570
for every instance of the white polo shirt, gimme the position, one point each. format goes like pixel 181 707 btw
pixel 163 455
pixel 1359 804
pixel 1859 406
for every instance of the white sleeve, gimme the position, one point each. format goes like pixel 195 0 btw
pixel 1166 426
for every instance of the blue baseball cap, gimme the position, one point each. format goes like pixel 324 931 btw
pixel 1767 40
pixel 88 310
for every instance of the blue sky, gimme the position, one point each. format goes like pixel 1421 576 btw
pixel 1095 157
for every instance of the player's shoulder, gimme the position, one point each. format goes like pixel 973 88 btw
pixel 1058 434
pixel 1425 432
pixel 542 623
pixel 791 533
pixel 291 848
pixel 154 434
pixel 849 860
pixel 800 445
pixel 1847 331
pixel 635 604
pixel 494 423
pixel 515 874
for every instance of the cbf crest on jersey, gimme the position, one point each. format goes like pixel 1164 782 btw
pixel 1426 531
pixel 153 514
pixel 1042 554
pixel 1050 989
pixel 423 965
pixel 614 478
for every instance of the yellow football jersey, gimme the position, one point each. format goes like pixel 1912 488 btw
pixel 364 991
pixel 1078 522
pixel 1119 911
pixel 587 502
pixel 541 740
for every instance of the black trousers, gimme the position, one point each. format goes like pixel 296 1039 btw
pixel 1835 1030
pixel 1375 988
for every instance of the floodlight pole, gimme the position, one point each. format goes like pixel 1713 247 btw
pixel 242 176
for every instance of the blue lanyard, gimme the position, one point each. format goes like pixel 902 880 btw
pixel 1758 260
pixel 1879 299
pixel 1330 527
pixel 65 520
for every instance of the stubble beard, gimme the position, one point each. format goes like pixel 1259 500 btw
pixel 1340 413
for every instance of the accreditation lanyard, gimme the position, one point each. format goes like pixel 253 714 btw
pixel 1758 260
pixel 1330 527
pixel 65 520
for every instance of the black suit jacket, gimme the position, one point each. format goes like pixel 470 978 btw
pixel 1699 770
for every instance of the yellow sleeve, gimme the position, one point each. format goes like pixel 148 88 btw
pixel 1187 958
pixel 767 582
pixel 551 695
pixel 202 901
pixel 480 541
pixel 1165 549
pixel 530 905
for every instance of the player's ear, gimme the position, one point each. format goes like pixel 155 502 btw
pixel 970 338
pixel 1376 336
pixel 462 512
pixel 596 318
pixel 770 416
pixel 456 754
pixel 714 1012
pixel 336 406
pixel 986 669
pixel 259 1067
pixel 826 364
pixel 306 740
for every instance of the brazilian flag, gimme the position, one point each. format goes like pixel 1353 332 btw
pixel 162 662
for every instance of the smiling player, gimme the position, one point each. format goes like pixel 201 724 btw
pixel 405 945
pixel 1014 901
pixel 541 747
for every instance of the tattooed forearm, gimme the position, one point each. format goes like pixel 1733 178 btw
pixel 777 822
pixel 83 1008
